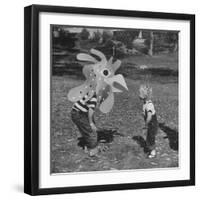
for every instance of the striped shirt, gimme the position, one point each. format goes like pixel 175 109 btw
pixel 84 105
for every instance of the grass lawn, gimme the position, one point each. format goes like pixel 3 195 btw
pixel 169 61
pixel 126 116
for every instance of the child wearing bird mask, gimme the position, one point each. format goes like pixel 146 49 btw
pixel 98 86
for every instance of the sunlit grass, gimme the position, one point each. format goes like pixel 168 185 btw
pixel 126 116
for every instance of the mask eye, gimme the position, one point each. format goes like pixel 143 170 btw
pixel 105 72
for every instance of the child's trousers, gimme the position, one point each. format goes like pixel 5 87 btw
pixel 151 133
pixel 82 122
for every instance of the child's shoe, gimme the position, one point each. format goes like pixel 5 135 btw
pixel 93 152
pixel 152 154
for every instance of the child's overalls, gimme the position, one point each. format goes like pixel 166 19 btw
pixel 79 116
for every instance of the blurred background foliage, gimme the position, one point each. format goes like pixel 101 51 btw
pixel 124 44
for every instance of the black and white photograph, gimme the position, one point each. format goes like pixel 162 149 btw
pixel 114 99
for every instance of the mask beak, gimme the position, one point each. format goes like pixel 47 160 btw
pixel 117 79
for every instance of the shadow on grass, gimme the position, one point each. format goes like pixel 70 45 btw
pixel 172 136
pixel 103 136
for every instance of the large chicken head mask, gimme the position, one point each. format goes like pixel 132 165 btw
pixel 100 78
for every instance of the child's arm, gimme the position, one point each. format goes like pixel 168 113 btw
pixel 90 116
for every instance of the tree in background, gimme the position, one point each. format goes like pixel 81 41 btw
pixel 126 36
pixel 106 35
pixel 97 37
pixel 172 38
pixel 151 43
pixel 62 38
pixel 84 34
pixel 161 41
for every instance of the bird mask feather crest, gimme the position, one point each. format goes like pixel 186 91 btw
pixel 100 78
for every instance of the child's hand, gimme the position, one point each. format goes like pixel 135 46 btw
pixel 93 127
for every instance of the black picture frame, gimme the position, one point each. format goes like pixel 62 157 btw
pixel 31 98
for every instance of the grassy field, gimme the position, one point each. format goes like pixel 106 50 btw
pixel 126 116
